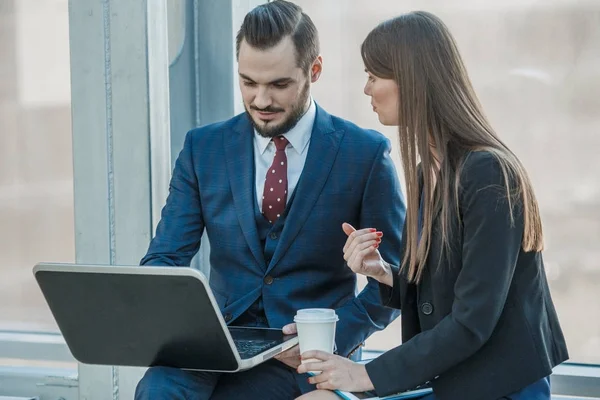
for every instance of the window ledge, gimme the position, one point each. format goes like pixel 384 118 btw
pixel 568 381
pixel 45 383
pixel 576 380
pixel 34 346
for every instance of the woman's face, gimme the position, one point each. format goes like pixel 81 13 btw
pixel 384 98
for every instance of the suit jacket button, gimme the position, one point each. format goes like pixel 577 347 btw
pixel 273 235
pixel 426 308
pixel 268 279
pixel 227 317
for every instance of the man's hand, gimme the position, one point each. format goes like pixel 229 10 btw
pixel 336 372
pixel 290 357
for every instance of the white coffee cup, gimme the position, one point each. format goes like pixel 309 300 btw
pixel 316 330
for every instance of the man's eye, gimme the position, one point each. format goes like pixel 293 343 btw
pixel 281 85
pixel 246 83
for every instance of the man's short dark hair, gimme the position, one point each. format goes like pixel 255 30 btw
pixel 266 25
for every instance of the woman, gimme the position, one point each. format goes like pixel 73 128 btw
pixel 477 318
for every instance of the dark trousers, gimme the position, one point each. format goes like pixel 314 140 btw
pixel 270 380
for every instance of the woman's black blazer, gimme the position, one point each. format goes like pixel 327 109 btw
pixel 481 323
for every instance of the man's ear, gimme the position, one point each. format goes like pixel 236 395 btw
pixel 316 69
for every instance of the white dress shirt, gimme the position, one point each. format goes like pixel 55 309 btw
pixel 296 151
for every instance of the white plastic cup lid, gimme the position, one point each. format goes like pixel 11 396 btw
pixel 316 315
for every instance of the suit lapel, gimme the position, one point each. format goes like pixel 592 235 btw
pixel 322 150
pixel 239 153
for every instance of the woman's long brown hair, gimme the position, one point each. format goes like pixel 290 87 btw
pixel 438 109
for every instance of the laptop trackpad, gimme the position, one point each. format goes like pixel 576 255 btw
pixel 251 342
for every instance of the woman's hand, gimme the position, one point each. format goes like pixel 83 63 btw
pixel 336 372
pixel 362 256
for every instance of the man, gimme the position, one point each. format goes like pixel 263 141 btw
pixel 272 188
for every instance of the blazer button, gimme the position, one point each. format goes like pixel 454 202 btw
pixel 227 317
pixel 273 235
pixel 426 308
pixel 268 279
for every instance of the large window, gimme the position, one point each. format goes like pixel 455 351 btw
pixel 536 68
pixel 36 173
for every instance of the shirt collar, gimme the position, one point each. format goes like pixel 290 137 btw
pixel 298 136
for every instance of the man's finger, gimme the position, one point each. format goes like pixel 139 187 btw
pixel 290 329
pixel 290 362
pixel 293 352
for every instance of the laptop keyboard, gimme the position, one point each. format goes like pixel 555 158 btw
pixel 251 348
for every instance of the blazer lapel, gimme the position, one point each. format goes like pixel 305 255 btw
pixel 322 150
pixel 239 154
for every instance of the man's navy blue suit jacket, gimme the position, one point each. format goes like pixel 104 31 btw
pixel 348 177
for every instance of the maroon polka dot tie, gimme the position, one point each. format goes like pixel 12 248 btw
pixel 275 193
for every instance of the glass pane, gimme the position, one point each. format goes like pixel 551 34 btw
pixel 176 28
pixel 36 173
pixel 536 68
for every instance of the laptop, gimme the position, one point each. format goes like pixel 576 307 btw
pixel 150 316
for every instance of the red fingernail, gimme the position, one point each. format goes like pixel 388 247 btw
pixel 372 230
pixel 380 234
pixel 376 245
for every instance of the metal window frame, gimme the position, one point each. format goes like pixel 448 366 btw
pixel 34 346
pixel 568 379
pixel 42 383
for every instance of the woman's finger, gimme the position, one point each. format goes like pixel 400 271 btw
pixel 320 378
pixel 355 261
pixel 347 228
pixel 362 245
pixel 318 354
pixel 315 366
pixel 359 233
pixel 326 386
pixel 370 234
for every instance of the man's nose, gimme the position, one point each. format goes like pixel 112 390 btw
pixel 262 99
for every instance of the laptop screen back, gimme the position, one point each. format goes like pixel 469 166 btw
pixel 137 320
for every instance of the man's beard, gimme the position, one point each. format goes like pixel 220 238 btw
pixel 296 114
